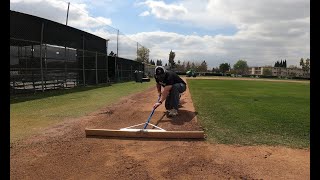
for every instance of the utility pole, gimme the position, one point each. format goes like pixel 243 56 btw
pixel 67 14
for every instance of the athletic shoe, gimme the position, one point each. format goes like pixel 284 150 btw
pixel 173 112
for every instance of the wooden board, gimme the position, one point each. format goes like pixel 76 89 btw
pixel 148 133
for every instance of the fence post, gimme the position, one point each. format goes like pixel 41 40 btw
pixel 45 65
pixel 121 74
pixel 116 74
pixel 83 73
pixel 96 67
pixel 65 66
pixel 107 62
pixel 131 74
pixel 41 57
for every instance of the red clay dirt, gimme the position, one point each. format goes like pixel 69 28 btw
pixel 64 152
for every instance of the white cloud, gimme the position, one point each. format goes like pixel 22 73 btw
pixel 57 11
pixel 268 30
pixel 214 14
pixel 145 13
pixel 255 49
pixel 192 12
pixel 165 11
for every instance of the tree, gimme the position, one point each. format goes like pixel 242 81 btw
pixel 188 66
pixel 180 67
pixel 281 64
pixel 232 71
pixel 159 63
pixel 267 72
pixel 203 67
pixel 305 65
pixel 166 64
pixel 152 62
pixel 198 66
pixel 308 63
pixel 193 66
pixel 285 63
pixel 224 67
pixel 172 55
pixel 293 67
pixel 143 54
pixel 183 66
pixel 241 67
pixel 301 62
pixel 216 70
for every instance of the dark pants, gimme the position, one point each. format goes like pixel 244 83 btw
pixel 173 98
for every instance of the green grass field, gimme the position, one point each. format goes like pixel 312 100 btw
pixel 253 112
pixel 31 113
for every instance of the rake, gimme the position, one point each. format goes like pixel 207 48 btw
pixel 134 132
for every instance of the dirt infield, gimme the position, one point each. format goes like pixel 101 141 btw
pixel 63 151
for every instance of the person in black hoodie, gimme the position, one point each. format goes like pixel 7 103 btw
pixel 172 85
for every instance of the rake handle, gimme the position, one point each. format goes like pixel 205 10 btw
pixel 146 124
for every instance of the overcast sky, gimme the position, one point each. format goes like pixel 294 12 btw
pixel 217 31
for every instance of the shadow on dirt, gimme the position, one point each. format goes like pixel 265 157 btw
pixel 184 116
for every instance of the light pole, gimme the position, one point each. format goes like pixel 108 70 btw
pixel 67 13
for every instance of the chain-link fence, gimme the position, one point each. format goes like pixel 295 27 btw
pixel 48 55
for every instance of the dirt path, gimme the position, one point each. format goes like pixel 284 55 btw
pixel 63 151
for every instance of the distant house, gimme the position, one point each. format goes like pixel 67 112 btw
pixel 280 71
pixel 256 70
pixel 290 72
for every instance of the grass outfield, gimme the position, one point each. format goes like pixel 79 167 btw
pixel 253 112
pixel 30 114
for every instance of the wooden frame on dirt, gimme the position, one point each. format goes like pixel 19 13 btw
pixel 146 133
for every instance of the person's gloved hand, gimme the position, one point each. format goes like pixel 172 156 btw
pixel 156 105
